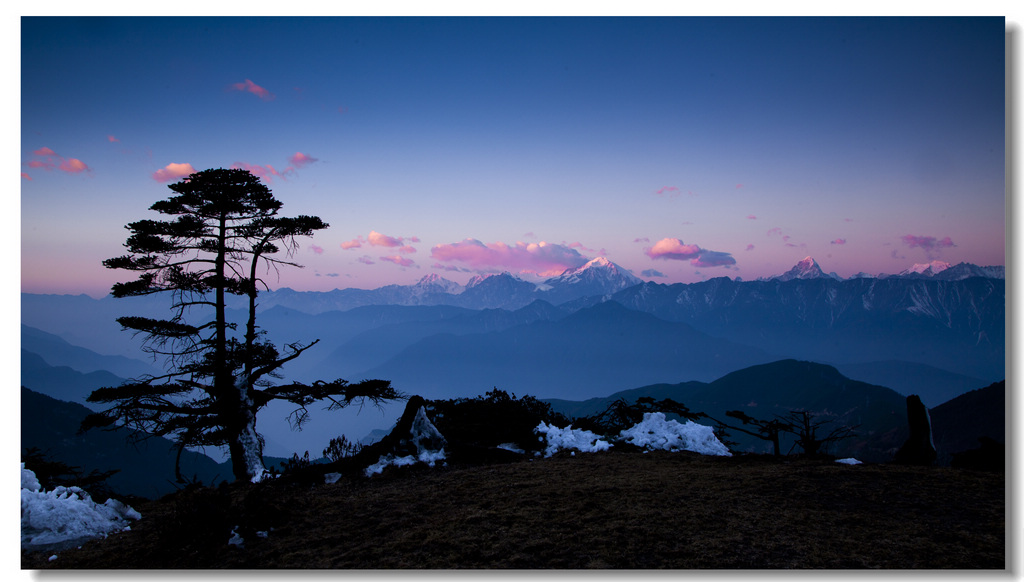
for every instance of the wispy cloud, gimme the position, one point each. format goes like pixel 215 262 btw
pixel 750 247
pixel 265 172
pixel 713 259
pixel 651 273
pixel 751 217
pixel 250 87
pixel 839 241
pixel 301 160
pixel 400 261
pixel 545 259
pixel 112 139
pixel 317 249
pixel 366 260
pixel 47 159
pixel 450 268
pixel 931 245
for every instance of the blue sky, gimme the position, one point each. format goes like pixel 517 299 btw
pixel 680 148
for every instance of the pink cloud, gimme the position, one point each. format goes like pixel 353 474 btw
pixel 750 247
pixel 317 249
pixel 400 261
pixel 50 160
pixel 342 110
pixel 73 166
pixel 751 217
pixel 839 241
pixel 301 160
pixel 173 172
pixel 26 176
pixel 775 230
pixel 253 88
pixel 355 243
pixel 673 191
pixel 112 139
pixel 266 172
pixel 738 186
pixel 382 240
pixel 545 259
pixel 366 260
pixel 673 248
pixel 407 249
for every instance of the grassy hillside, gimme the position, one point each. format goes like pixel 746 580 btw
pixel 598 510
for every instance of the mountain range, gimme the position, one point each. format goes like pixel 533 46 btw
pixel 933 330
pixel 771 390
pixel 762 391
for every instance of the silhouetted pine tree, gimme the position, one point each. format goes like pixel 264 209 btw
pixel 225 228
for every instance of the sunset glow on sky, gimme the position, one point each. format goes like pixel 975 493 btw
pixel 679 148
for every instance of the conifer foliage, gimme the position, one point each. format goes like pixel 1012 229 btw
pixel 224 236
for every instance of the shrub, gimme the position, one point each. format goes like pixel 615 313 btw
pixel 494 419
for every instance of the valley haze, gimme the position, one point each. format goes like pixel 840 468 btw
pixel 936 330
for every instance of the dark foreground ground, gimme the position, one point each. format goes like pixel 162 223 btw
pixel 605 510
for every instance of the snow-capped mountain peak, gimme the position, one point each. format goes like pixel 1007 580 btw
pixel 932 268
pixel 599 270
pixel 807 268
pixel 437 284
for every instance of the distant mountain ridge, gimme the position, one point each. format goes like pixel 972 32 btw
pixel 773 389
pixel 597 278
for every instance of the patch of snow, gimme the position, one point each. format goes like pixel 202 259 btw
pixel 236 540
pixel 570 438
pixel 848 461
pixel 512 448
pixel 332 478
pixel 67 514
pixel 428 457
pixel 655 432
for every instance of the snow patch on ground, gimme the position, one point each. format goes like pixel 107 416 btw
pixel 849 461
pixel 66 514
pixel 570 438
pixel 654 432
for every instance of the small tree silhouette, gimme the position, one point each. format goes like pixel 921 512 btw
pixel 768 430
pixel 805 427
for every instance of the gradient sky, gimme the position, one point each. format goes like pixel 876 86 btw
pixel 679 148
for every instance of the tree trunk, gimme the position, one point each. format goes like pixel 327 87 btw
pixel 243 440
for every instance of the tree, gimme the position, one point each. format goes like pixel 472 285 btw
pixel 805 427
pixel 768 430
pixel 800 423
pixel 225 228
